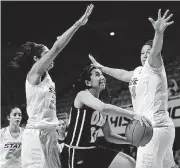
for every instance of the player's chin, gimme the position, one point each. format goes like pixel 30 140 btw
pixel 102 87
pixel 17 122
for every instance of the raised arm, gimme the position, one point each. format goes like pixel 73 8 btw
pixel 155 59
pixel 119 74
pixel 86 98
pixel 42 65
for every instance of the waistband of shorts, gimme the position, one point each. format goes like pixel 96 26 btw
pixel 47 128
pixel 80 147
pixel 162 126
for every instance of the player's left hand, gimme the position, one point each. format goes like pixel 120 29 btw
pixel 162 22
pixel 83 20
pixel 146 121
pixel 94 62
pixel 143 120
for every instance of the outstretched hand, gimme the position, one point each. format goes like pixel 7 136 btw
pixel 143 120
pixel 94 62
pixel 162 22
pixel 83 20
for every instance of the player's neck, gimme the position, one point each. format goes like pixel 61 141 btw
pixel 95 93
pixel 14 128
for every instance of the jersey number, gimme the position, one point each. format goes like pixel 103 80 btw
pixel 133 92
pixel 52 104
pixel 13 154
pixel 94 134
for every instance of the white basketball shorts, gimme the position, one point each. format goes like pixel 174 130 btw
pixel 158 152
pixel 39 149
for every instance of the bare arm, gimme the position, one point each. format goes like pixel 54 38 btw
pixel 155 59
pixel 42 65
pixel 86 98
pixel 112 137
pixel 119 74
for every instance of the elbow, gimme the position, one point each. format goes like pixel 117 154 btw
pixel 57 48
pixel 108 137
pixel 156 53
pixel 58 45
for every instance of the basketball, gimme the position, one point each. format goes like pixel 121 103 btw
pixel 138 135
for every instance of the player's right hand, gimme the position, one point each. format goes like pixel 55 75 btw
pixel 143 120
pixel 94 62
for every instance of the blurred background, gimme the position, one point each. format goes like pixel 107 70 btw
pixel 114 35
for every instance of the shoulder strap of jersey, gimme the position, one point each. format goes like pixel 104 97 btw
pixel 22 129
pixel 3 130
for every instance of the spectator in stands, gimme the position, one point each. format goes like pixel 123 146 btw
pixel 177 158
pixel 172 88
pixel 61 134
pixel 132 151
pixel 61 130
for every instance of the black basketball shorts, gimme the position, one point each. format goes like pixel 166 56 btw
pixel 87 158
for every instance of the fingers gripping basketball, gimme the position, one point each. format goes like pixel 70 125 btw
pixel 138 135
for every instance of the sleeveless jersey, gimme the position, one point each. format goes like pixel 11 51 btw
pixel 10 147
pixel 84 126
pixel 41 103
pixel 148 88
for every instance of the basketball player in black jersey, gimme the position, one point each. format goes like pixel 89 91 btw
pixel 89 115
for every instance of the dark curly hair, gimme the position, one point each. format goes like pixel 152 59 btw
pixel 9 109
pixel 149 42
pixel 24 57
pixel 81 85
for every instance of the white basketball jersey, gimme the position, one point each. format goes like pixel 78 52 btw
pixel 148 87
pixel 10 147
pixel 41 103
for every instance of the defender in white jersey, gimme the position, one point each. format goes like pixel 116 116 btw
pixel 10 140
pixel 39 142
pixel 148 87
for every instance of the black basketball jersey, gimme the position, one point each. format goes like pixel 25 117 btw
pixel 85 124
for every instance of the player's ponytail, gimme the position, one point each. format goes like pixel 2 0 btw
pixel 24 57
pixel 80 84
